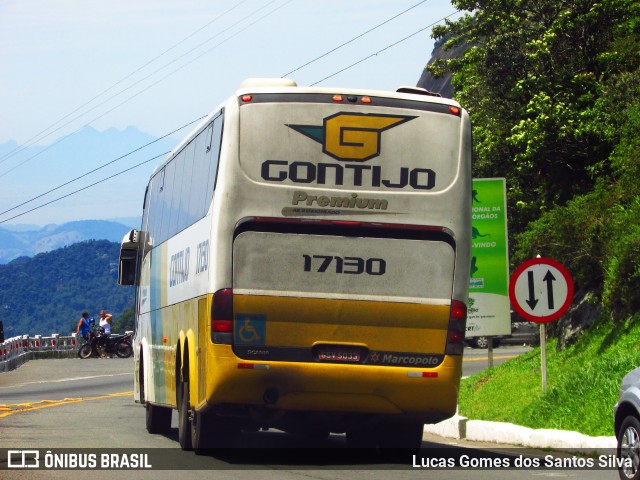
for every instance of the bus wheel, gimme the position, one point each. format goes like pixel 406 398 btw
pixel 184 421
pixel 200 433
pixel 210 432
pixel 158 419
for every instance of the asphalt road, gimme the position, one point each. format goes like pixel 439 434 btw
pixel 476 360
pixel 86 407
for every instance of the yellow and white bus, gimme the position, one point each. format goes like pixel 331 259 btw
pixel 303 265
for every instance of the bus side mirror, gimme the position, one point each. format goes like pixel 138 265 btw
pixel 128 265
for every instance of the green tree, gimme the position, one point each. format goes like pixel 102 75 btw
pixel 553 91
pixel 530 79
pixel 125 322
pixel 48 293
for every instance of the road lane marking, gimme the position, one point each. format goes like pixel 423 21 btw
pixel 496 357
pixel 6 410
pixel 71 379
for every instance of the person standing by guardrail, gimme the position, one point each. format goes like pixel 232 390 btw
pixel 105 324
pixel 105 321
pixel 84 325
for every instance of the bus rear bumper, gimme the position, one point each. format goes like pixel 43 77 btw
pixel 335 390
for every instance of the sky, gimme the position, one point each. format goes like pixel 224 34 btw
pixel 159 64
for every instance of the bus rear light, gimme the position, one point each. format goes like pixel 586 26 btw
pixel 351 98
pixel 246 98
pixel 222 317
pixel 457 326
pixel 223 326
pixel 454 110
pixel 454 336
pixel 252 366
pixel 422 374
pixel 458 310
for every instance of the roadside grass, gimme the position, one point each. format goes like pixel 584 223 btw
pixel 583 383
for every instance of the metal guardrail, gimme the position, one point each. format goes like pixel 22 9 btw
pixel 18 350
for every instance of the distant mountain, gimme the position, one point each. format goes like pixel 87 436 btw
pixel 47 293
pixel 112 166
pixel 16 243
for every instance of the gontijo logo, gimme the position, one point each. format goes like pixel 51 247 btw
pixel 353 137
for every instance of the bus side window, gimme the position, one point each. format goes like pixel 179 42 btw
pixel 214 155
pixel 177 166
pixel 184 216
pixel 144 224
pixel 166 198
pixel 154 221
pixel 145 207
pixel 198 193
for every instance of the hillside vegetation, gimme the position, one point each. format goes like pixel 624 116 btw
pixel 47 293
pixel 553 91
pixel 583 382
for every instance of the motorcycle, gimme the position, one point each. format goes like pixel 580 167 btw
pixel 100 344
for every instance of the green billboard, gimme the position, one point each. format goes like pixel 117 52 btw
pixel 489 308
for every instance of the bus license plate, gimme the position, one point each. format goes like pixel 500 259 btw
pixel 338 354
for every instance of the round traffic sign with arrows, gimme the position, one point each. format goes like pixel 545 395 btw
pixel 541 290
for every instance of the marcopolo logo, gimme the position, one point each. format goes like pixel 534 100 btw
pixel 351 137
pixel 405 359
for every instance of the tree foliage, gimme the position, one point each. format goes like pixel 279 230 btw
pixel 552 88
pixel 47 293
pixel 126 321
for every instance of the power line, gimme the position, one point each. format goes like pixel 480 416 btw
pixel 100 167
pixel 353 39
pixel 383 49
pixel 191 61
pixel 160 80
pixel 36 137
pixel 151 85
pixel 84 188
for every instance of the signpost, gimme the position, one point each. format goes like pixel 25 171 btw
pixel 541 291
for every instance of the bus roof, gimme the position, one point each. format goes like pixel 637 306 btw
pixel 289 86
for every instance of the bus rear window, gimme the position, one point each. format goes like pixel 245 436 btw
pixel 349 148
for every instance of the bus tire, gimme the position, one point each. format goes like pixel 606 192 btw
pixel 184 422
pixel 143 397
pixel 200 433
pixel 158 418
pixel 210 432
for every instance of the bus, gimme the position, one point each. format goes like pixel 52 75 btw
pixel 303 265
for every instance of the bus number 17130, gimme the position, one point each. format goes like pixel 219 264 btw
pixel 346 265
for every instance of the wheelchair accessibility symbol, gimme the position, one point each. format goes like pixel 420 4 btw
pixel 250 329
